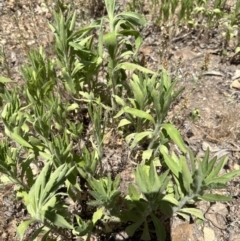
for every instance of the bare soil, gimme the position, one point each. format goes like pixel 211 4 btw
pixel 207 113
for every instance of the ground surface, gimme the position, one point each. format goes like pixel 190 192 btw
pixel 195 60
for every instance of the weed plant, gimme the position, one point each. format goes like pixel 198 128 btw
pixel 39 129
pixel 205 15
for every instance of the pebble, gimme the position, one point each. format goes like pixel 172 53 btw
pixel 209 234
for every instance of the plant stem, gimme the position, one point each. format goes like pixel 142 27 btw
pixel 184 201
pixel 155 136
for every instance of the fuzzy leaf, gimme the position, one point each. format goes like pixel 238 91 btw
pixel 17 138
pixel 139 113
pixel 175 136
pixel 5 80
pixel 231 175
pixel 169 198
pixel 110 41
pixel 97 215
pixel 133 193
pixel 172 165
pixel 57 178
pixel 142 178
pixel 72 107
pixel 124 122
pixel 192 211
pixel 146 155
pixel 145 234
pixel 215 171
pixel 139 136
pixel 57 220
pixel 211 165
pixel 198 178
pixel 187 177
pixel 130 66
pixel 159 228
pixel 133 18
pixel 119 100
pixel 204 162
pixel 215 197
pixel 130 230
pixel 110 6
pixel 21 229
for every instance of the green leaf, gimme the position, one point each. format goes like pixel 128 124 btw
pixel 145 234
pixel 159 228
pixel 210 167
pixel 198 178
pixel 5 80
pixel 124 122
pixel 187 177
pixel 215 171
pixel 142 178
pixel 231 175
pixel 192 161
pixel 139 113
pixel 16 137
pixel 216 180
pixel 72 107
pixel 45 236
pixel 172 165
pixel 130 230
pixel 133 193
pixel 130 66
pixel 37 232
pixel 169 198
pixel 204 162
pixel 49 204
pixel 119 100
pixel 72 25
pixel 175 136
pixel 154 179
pixel 110 41
pixel 184 216
pixel 37 189
pixel 57 220
pixel 217 11
pixel 166 208
pixel 146 155
pixel 21 229
pixel 116 182
pixel 215 198
pixel 192 211
pixel 178 192
pixel 133 18
pixel 110 6
pixel 97 215
pixel 164 179
pixel 57 178
pixel 139 136
pixel 137 91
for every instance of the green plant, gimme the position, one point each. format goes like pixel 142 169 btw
pixel 119 48
pixel 171 192
pixel 148 110
pixel 39 75
pixel 42 201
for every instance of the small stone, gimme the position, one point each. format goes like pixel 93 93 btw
pixel 209 234
pixel 186 232
pixel 217 215
pixel 121 236
pixel 235 84
pixel 236 166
